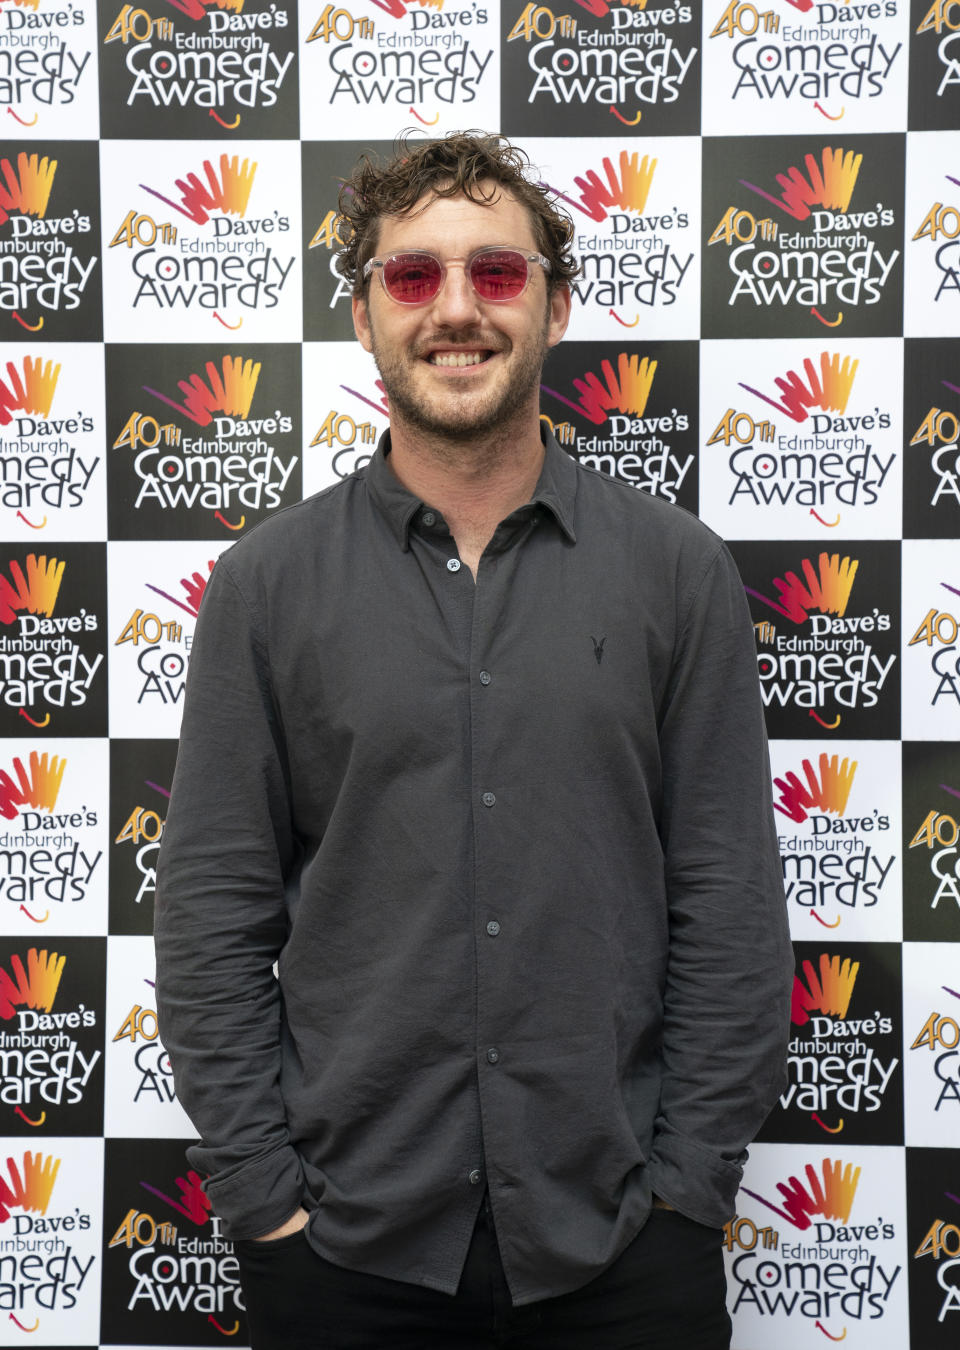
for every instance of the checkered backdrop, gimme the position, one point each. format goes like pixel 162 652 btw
pixel 767 211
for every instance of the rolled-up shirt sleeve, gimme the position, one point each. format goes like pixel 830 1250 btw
pixel 729 967
pixel 226 856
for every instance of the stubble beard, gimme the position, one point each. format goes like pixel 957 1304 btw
pixel 451 421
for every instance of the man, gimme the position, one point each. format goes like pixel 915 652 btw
pixel 473 749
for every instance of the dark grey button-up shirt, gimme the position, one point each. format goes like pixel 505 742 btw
pixel 511 845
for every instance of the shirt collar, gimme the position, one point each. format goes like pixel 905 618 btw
pixel 556 490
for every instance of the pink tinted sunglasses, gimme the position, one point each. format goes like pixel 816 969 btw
pixel 497 274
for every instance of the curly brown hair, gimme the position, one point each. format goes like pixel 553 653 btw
pixel 463 162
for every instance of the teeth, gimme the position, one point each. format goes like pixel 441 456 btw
pixel 457 358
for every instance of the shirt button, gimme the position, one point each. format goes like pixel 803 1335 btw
pixel 485 677
pixel 453 564
pixel 488 799
pixel 475 1177
pixel 493 928
pixel 493 1055
pixel 429 518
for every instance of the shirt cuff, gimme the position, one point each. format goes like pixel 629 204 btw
pixel 695 1180
pixel 256 1197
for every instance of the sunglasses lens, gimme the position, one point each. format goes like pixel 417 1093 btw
pixel 412 278
pixel 500 274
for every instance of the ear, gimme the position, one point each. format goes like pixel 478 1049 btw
pixel 361 322
pixel 560 305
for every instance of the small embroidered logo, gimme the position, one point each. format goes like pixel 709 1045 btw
pixel 598 647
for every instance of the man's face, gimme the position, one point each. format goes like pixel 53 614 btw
pixel 506 343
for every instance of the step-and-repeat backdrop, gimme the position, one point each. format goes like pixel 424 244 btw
pixel 767 211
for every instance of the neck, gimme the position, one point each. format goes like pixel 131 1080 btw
pixel 475 484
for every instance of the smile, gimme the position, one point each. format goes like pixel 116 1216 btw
pixel 458 358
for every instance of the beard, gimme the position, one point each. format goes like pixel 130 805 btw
pixel 464 415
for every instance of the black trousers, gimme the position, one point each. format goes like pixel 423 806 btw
pixel 666 1291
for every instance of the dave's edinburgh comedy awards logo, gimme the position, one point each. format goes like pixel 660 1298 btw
pixel 827 630
pixel 50 241
pixel 627 410
pixel 597 67
pixel 200 239
pixel 203 441
pixel 844 1075
pixel 194 69
pixel 801 436
pixel 803 235
pixel 52 473
pixel 796 65
pixel 838 815
pixel 430 66
pixel 817 1248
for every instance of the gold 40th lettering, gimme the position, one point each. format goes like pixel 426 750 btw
pixel 938 1030
pixel 137 24
pixel 940 425
pixel 939 220
pixel 340 24
pixel 743 18
pixel 143 1230
pixel 143 230
pixel 142 429
pixel 743 227
pixel 340 427
pixel 740 426
pixel 537 21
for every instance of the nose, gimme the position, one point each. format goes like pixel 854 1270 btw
pixel 456 305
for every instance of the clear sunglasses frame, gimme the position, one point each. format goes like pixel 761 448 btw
pixel 378 265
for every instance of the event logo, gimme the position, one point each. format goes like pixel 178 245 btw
pixel 941 226
pixel 938 833
pixel 599 63
pixel 839 1065
pixel 428 64
pixel 825 244
pixel 351 442
pixel 838 1277
pixel 230 477
pixel 47 859
pixel 935 67
pixel 39 467
pixel 236 268
pixel 633 264
pixel 938 631
pixel 850 270
pixel 933 1198
pixel 230 64
pixel 836 667
pixel 42 68
pixel 939 431
pixel 43 662
pixel 143 828
pixel 940 1036
pixel 43 273
pixel 168 1260
pixel 162 668
pixel 42 1245
pixel 154 1072
pixel 48 1057
pixel 831 868
pixel 832 466
pixel 834 58
pixel 622 437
